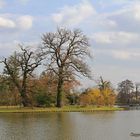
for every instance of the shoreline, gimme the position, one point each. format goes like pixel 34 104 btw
pixel 10 109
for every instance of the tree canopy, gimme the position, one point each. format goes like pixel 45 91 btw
pixel 20 67
pixel 65 52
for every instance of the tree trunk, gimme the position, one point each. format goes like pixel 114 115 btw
pixel 59 93
pixel 25 99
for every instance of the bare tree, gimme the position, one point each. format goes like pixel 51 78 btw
pixel 103 84
pixel 19 67
pixel 65 51
pixel 137 85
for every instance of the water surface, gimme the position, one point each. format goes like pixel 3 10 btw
pixel 70 126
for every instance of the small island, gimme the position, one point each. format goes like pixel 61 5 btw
pixel 55 88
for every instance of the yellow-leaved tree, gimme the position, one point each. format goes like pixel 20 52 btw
pixel 103 95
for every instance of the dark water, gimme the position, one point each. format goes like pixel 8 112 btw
pixel 70 126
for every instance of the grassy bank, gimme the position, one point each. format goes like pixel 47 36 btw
pixel 15 109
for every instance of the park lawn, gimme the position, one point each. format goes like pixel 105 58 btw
pixel 16 109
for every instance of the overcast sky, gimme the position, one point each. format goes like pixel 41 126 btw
pixel 113 27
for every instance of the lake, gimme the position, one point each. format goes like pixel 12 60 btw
pixel 70 126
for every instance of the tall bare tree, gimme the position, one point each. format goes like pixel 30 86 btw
pixel 137 86
pixel 19 67
pixel 65 51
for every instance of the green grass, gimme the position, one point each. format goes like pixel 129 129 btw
pixel 16 109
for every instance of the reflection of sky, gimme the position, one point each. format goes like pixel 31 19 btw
pixel 113 27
